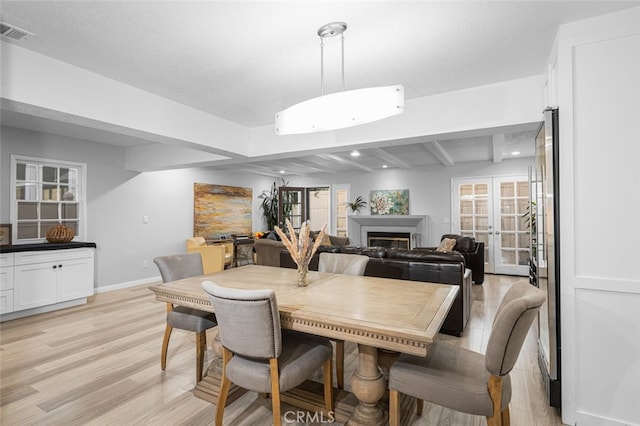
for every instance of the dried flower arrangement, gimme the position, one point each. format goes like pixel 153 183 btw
pixel 302 249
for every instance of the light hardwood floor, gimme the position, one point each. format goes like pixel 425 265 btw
pixel 99 364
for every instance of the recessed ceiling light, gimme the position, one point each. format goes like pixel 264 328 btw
pixel 384 166
pixel 355 154
pixel 515 153
pixel 281 171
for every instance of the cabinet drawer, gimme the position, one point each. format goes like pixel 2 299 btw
pixel 6 259
pixel 6 278
pixel 6 301
pixel 26 258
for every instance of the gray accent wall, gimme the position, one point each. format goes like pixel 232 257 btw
pixel 118 199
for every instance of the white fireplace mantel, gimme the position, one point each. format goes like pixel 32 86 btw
pixel 416 225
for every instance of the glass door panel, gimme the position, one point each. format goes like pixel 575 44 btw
pixel 340 198
pixel 472 213
pixel 490 210
pixel 511 245
pixel 291 205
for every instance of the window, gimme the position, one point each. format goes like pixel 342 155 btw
pixel 46 193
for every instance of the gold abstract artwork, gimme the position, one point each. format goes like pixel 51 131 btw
pixel 221 210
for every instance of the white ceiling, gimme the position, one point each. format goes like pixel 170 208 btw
pixel 244 61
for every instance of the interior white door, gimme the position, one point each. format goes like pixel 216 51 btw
pixel 490 210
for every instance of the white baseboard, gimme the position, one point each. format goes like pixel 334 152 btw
pixel 120 286
pixel 42 309
pixel 591 419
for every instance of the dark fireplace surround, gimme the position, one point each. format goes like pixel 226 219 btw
pixel 389 239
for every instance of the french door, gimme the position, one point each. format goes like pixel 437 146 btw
pixel 491 210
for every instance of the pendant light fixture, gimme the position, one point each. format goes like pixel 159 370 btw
pixel 342 109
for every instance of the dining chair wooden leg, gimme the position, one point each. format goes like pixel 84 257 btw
pixel 419 406
pixel 495 392
pixel 394 408
pixel 340 363
pixel 201 346
pixel 225 384
pixel 505 417
pixel 165 347
pixel 275 391
pixel 328 385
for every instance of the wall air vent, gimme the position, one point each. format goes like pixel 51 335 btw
pixel 12 32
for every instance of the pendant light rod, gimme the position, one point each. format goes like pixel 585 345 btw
pixel 331 30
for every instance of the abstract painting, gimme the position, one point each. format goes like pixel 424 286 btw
pixel 221 210
pixel 390 202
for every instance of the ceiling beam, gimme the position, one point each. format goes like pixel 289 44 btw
pixel 390 158
pixel 307 168
pixel 439 152
pixel 344 161
pixel 498 147
pixel 264 171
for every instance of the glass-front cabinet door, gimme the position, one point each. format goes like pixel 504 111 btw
pixel 45 195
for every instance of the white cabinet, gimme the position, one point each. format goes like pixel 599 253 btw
pixel 48 277
pixel 6 283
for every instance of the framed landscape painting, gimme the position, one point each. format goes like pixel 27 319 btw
pixel 390 202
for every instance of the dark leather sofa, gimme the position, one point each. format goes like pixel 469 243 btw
pixel 473 253
pixel 417 265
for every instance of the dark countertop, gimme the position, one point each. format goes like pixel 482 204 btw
pixel 45 246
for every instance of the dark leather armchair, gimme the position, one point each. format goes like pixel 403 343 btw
pixel 473 253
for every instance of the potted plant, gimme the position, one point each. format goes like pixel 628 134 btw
pixel 270 205
pixel 357 204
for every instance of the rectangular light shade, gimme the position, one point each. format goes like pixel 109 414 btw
pixel 340 110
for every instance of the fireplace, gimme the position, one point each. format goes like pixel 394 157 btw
pixel 389 239
pixel 415 228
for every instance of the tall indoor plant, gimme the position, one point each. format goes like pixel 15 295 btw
pixel 270 205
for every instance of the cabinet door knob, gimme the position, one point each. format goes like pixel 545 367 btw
pixel 59 266
pixel 54 266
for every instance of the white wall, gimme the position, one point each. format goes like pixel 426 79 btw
pixel 118 199
pixel 429 188
pixel 597 71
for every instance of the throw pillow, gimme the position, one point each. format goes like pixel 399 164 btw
pixel 326 241
pixel 446 245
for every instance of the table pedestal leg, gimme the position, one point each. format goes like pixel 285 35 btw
pixel 368 385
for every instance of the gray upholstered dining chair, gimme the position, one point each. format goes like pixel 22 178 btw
pixel 464 380
pixel 176 267
pixel 257 355
pixel 347 264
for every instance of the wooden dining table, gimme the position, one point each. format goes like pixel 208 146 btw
pixel 380 315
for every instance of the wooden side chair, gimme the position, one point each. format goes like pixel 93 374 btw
pixel 174 268
pixel 347 264
pixel 464 380
pixel 257 355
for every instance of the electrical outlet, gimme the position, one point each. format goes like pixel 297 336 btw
pixel 145 264
pixel 145 219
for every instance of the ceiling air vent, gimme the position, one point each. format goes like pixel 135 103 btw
pixel 12 32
